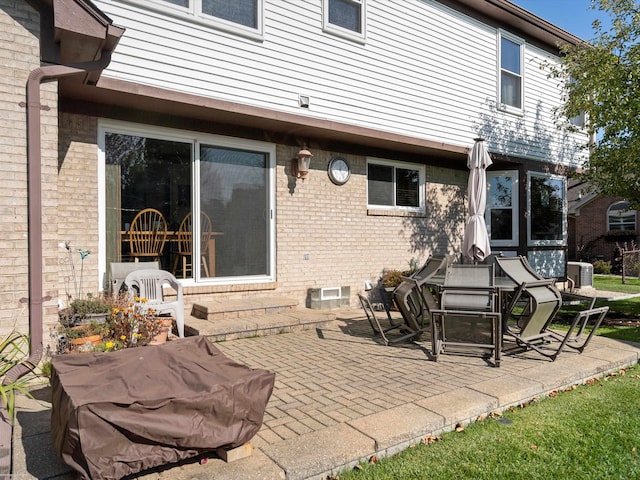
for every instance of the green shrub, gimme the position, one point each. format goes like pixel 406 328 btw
pixel 391 278
pixel 85 306
pixel 601 267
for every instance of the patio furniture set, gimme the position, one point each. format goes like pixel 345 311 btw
pixel 502 306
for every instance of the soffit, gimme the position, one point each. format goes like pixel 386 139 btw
pixel 114 98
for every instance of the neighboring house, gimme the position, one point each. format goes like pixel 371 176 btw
pixel 196 106
pixel 599 224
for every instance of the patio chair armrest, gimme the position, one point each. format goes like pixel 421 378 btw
pixel 540 283
pixel 478 313
pixel 407 279
pixel 590 301
pixel 477 288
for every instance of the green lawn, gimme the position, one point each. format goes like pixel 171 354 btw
pixel 627 309
pixel 614 283
pixel 592 431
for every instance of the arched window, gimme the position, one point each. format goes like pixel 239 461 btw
pixel 620 217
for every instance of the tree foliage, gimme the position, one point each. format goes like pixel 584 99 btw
pixel 602 79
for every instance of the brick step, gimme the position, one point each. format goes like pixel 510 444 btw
pixel 258 325
pixel 214 310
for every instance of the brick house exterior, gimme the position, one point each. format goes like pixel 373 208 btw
pixel 589 236
pixel 321 235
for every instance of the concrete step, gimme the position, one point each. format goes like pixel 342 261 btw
pixel 230 320
pixel 226 309
pixel 258 325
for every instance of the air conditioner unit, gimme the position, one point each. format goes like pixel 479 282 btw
pixel 581 273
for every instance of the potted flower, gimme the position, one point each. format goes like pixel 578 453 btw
pixel 80 338
pixel 90 309
pixel 133 324
pixel 130 323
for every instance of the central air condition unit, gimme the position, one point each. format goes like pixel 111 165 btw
pixel 581 273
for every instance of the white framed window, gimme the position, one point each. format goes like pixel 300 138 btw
pixel 501 214
pixel 243 17
pixel 547 209
pixel 345 18
pixel 579 120
pixel 395 185
pixel 225 185
pixel 620 217
pixel 510 72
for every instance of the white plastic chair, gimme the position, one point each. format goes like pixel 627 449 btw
pixel 149 284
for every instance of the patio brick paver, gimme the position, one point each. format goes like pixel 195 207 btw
pixel 340 396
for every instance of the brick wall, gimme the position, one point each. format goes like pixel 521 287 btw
pixel 325 235
pixel 78 205
pixel 590 230
pixel 19 30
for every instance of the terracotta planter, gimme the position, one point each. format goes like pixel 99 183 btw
pixel 164 333
pixel 92 339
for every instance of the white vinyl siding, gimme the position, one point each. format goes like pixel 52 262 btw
pixel 435 81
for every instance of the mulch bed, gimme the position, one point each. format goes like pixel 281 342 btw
pixel 621 322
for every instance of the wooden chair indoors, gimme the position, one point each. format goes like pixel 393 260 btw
pixel 185 245
pixel 147 235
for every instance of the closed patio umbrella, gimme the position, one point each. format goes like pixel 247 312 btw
pixel 476 239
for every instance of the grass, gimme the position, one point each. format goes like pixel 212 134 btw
pixel 590 431
pixel 613 283
pixel 624 310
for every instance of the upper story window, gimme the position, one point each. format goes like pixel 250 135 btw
pixel 578 120
pixel 345 18
pixel 547 212
pixel 395 185
pixel 243 12
pixel 510 78
pixel 237 16
pixel 501 214
pixel 620 217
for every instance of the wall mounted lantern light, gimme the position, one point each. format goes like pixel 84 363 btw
pixel 302 163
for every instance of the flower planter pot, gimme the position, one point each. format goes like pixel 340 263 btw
pixel 92 339
pixel 164 332
pixel 87 343
pixel 99 318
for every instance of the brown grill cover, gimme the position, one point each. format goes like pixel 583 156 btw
pixel 118 413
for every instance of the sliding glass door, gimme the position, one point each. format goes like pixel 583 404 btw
pixel 211 198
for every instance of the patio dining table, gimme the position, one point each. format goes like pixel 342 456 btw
pixel 505 286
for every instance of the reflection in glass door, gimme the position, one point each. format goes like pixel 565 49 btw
pixel 143 174
pixel 225 202
pixel 234 194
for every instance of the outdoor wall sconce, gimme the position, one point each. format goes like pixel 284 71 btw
pixel 301 163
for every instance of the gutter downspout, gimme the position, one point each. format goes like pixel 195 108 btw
pixel 34 192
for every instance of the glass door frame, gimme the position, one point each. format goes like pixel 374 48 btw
pixel 195 139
